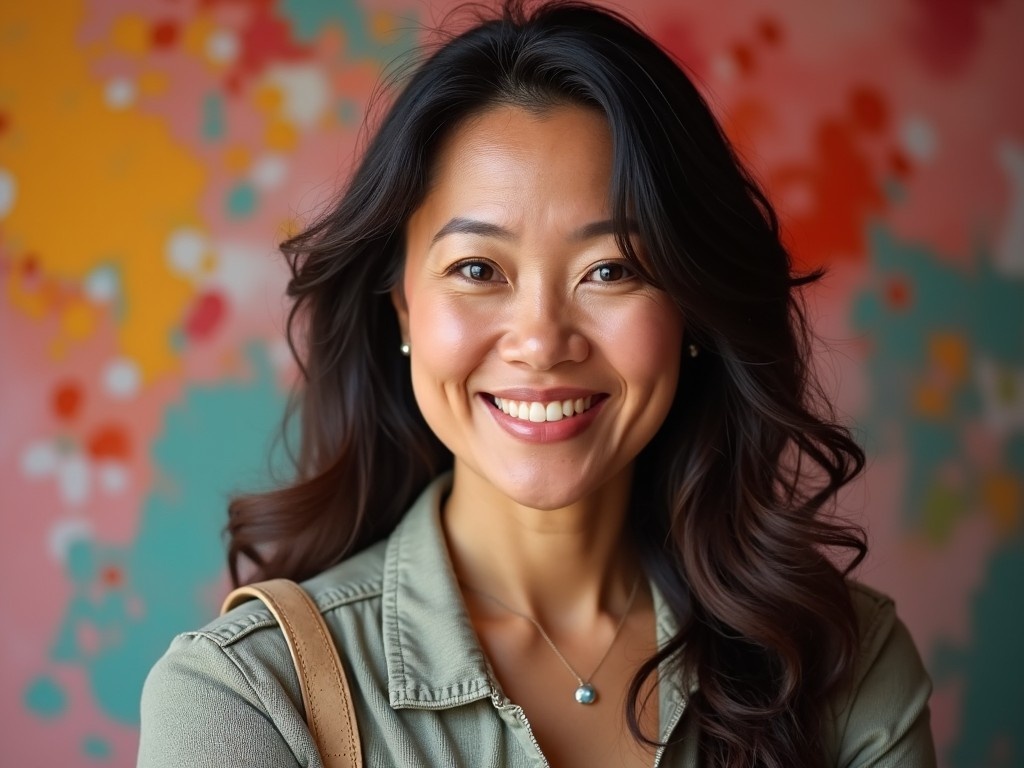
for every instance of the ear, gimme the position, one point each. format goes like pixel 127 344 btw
pixel 401 309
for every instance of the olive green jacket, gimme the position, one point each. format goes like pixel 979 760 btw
pixel 227 694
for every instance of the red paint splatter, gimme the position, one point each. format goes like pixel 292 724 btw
pixel 843 192
pixel 206 315
pixel 67 400
pixel 264 40
pixel 769 31
pixel 111 576
pixel 743 56
pixel 164 34
pixel 683 40
pixel 897 294
pixel 899 164
pixel 948 33
pixel 868 109
pixel 109 442
pixel 5 122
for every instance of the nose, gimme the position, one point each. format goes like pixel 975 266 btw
pixel 543 332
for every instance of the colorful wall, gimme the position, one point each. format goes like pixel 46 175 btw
pixel 152 153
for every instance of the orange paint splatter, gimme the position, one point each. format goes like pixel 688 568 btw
pixel 109 442
pixel 67 400
pixel 111 576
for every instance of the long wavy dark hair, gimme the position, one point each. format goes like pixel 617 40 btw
pixel 732 498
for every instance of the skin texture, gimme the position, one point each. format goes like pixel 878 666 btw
pixel 537 298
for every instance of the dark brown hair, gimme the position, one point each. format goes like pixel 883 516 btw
pixel 729 500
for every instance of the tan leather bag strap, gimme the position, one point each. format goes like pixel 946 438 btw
pixel 330 714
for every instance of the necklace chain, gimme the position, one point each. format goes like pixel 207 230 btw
pixel 585 693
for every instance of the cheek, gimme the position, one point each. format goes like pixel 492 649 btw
pixel 644 346
pixel 449 339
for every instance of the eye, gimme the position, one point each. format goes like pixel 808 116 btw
pixel 477 271
pixel 611 272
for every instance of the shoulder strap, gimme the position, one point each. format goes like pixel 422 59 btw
pixel 330 713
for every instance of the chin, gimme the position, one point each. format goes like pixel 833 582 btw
pixel 547 489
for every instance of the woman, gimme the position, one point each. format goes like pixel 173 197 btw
pixel 562 458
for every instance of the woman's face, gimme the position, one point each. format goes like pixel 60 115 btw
pixel 538 357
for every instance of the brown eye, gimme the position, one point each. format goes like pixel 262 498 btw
pixel 610 273
pixel 478 271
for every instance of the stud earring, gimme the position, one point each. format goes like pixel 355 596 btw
pixel 405 349
pixel 693 350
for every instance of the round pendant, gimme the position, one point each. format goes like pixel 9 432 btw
pixel 586 694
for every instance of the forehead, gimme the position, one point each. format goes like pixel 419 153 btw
pixel 524 165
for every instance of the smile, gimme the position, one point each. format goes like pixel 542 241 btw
pixel 538 412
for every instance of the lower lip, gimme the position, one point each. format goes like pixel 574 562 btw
pixel 544 431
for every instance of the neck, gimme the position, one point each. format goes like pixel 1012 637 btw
pixel 563 567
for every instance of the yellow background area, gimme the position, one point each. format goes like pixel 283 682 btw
pixel 93 185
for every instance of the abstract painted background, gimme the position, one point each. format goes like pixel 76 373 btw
pixel 152 153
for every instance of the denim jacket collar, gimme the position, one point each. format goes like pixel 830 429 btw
pixel 434 659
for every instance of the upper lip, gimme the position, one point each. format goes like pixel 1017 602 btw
pixel 530 395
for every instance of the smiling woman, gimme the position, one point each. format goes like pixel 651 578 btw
pixel 563 466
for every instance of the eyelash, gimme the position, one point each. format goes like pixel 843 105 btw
pixel 457 269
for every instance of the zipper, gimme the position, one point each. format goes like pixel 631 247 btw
pixel 672 723
pixel 500 702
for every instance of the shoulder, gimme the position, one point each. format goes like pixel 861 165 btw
pixel 357 580
pixel 883 717
pixel 239 667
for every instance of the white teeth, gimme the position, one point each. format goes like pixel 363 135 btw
pixel 541 412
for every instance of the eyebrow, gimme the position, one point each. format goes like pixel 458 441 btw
pixel 463 226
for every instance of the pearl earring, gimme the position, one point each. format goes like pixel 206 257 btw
pixel 405 349
pixel 693 350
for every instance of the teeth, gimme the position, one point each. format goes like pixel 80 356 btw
pixel 541 412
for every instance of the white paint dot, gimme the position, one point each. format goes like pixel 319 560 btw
pixel 269 171
pixel 122 378
pixel 101 284
pixel 73 479
pixel 7 190
pixel 119 93
pixel 918 138
pixel 724 67
pixel 185 249
pixel 65 533
pixel 222 46
pixel 39 459
pixel 113 476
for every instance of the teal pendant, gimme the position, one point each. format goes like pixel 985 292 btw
pixel 586 694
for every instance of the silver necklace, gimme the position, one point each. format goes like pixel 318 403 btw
pixel 585 692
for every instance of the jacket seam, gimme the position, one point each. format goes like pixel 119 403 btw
pixel 261 618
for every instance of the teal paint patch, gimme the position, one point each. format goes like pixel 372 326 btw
pixel 96 748
pixel 991 729
pixel 241 200
pixel 128 602
pixel 309 17
pixel 976 305
pixel 213 122
pixel 348 112
pixel 45 697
